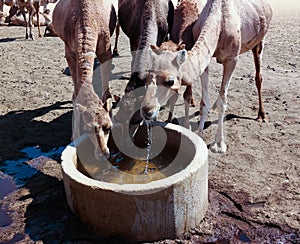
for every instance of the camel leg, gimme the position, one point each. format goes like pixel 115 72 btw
pixel 25 21
pixel 12 11
pixel 105 59
pixel 187 95
pixel 204 103
pixel 37 10
pixel 71 60
pixel 30 20
pixel 257 54
pixel 171 104
pixel 115 51
pixel 219 146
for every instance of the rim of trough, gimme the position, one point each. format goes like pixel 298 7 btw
pixel 69 155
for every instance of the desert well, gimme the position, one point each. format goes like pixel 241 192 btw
pixel 115 198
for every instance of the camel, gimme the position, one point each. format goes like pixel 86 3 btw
pixel 224 29
pixel 12 11
pixel 44 20
pixel 41 19
pixel 144 22
pixel 31 6
pixel 115 50
pixel 185 15
pixel 85 26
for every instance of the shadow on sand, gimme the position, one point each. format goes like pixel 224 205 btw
pixel 47 216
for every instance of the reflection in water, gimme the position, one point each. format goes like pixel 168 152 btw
pixel 7 185
pixel 122 169
pixel 20 170
pixel 15 173
pixel 166 158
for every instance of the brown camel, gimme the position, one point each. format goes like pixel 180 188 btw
pixel 224 29
pixel 185 15
pixel 144 22
pixel 115 50
pixel 85 26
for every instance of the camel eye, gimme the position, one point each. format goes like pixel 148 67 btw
pixel 169 82
pixel 106 130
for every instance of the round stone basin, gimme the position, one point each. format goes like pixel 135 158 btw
pixel 123 201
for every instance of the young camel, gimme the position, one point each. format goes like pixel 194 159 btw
pixel 224 30
pixel 185 15
pixel 85 26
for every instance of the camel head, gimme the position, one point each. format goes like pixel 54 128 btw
pixel 164 77
pixel 98 124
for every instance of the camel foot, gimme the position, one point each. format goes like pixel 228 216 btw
pixel 192 103
pixel 262 118
pixel 47 11
pixel 218 147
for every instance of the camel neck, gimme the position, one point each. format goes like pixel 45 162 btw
pixel 154 30
pixel 206 44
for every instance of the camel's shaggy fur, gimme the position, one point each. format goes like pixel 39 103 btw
pixel 185 15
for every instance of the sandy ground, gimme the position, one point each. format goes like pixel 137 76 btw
pixel 254 189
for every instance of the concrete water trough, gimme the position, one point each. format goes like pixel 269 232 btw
pixel 148 207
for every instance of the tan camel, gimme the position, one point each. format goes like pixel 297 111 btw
pixel 85 26
pixel 185 15
pixel 13 18
pixel 224 30
pixel 44 20
pixel 32 7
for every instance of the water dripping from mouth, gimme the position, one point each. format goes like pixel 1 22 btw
pixel 149 125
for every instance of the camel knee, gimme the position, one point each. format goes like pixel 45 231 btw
pixel 204 107
pixel 188 94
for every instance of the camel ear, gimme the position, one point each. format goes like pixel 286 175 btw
pixel 117 98
pixel 181 46
pixel 80 108
pixel 108 105
pixel 181 57
pixel 154 48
